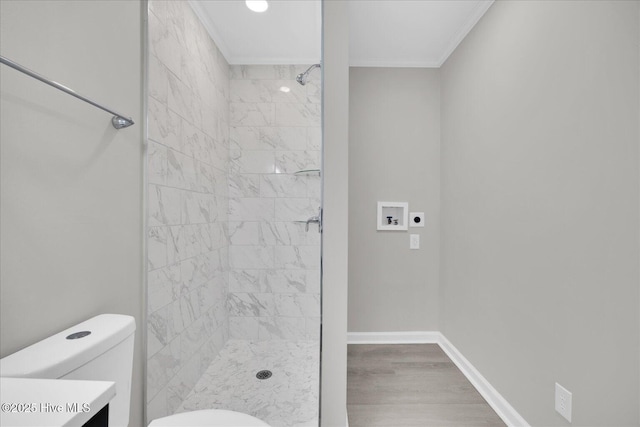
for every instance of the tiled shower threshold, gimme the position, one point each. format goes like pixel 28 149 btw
pixel 289 398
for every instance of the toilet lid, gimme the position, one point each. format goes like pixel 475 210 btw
pixel 209 418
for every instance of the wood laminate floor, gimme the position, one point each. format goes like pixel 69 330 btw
pixel 403 385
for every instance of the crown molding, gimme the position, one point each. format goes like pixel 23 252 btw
pixel 211 29
pixel 475 16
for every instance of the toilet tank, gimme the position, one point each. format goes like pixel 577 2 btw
pixel 103 354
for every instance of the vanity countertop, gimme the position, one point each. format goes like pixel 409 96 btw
pixel 51 403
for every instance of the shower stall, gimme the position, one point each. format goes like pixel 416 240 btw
pixel 233 222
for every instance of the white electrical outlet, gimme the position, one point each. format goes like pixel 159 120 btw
pixel 563 401
pixel 414 241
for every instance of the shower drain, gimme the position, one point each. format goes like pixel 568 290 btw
pixel 263 375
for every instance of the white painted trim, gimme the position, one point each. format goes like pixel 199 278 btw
pixel 475 16
pixel 211 29
pixel 217 38
pixel 415 337
pixel 247 60
pixel 392 64
pixel 509 415
pixel 499 404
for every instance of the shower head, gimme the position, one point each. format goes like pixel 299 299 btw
pixel 302 77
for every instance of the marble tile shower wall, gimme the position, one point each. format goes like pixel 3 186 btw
pixel 274 280
pixel 187 241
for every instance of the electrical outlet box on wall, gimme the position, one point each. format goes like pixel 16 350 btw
pixel 416 219
pixel 564 400
pixel 393 216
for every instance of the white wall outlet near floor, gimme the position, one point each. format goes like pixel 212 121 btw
pixel 414 241
pixel 563 401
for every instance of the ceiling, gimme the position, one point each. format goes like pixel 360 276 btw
pixel 383 33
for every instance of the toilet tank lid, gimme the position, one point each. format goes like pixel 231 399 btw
pixel 56 356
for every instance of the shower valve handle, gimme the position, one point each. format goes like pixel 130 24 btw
pixel 315 220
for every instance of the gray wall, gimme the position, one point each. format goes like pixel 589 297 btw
pixel 71 185
pixel 540 206
pixel 394 155
pixel 335 243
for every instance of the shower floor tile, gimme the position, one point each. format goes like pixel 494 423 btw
pixel 288 399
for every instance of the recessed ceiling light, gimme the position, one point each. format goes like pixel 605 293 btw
pixel 285 89
pixel 257 5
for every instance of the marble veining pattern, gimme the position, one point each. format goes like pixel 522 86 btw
pixel 187 197
pixel 228 255
pixel 288 399
pixel 274 277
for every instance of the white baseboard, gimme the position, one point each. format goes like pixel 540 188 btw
pixel 499 404
pixel 509 415
pixel 415 337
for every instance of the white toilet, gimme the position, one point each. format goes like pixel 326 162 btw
pixel 209 418
pixel 99 349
